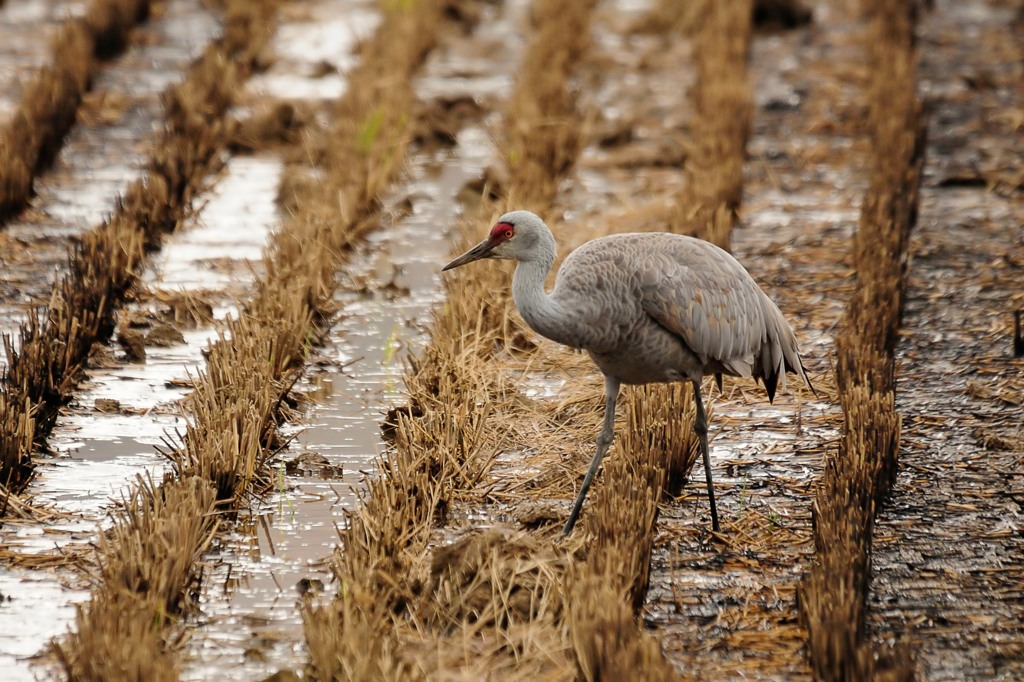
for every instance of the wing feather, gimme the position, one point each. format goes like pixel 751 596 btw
pixel 703 295
pixel 707 299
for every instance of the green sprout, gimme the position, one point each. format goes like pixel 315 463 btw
pixel 399 5
pixel 391 346
pixel 282 499
pixel 513 157
pixel 369 131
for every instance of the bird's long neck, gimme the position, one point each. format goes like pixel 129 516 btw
pixel 544 314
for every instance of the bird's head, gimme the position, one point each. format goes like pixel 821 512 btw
pixel 518 235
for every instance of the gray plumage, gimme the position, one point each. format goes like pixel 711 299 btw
pixel 647 307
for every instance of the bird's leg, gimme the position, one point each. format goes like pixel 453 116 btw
pixel 604 440
pixel 700 425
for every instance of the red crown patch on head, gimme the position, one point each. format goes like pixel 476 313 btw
pixel 501 232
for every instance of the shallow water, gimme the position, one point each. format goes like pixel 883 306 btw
pixel 25 32
pixel 315 48
pixel 99 454
pixel 249 621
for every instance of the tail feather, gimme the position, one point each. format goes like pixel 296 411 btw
pixel 782 353
pixel 771 380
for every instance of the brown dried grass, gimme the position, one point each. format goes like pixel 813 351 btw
pixel 145 574
pixel 856 479
pixel 497 579
pixel 238 403
pixel 543 131
pixel 724 109
pixel 660 420
pixel 494 605
pixel 29 143
pixel 605 637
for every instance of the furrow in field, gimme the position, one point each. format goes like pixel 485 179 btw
pixel 857 478
pixel 728 607
pixel 54 343
pixel 102 154
pixel 145 559
pixel 246 620
pixel 49 102
pixel 125 403
pixel 358 633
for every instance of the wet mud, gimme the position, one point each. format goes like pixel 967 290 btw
pixel 947 563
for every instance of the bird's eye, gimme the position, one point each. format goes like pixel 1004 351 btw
pixel 508 234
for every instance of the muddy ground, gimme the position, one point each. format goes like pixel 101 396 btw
pixel 948 561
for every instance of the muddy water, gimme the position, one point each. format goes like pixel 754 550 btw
pixel 121 112
pixel 101 449
pixel 314 48
pixel 25 32
pixel 217 258
pixel 250 621
pixel 102 154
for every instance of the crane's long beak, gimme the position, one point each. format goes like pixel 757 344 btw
pixel 479 251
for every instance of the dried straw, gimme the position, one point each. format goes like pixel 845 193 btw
pixel 724 110
pixel 857 478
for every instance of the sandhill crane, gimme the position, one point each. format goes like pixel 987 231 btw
pixel 647 307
